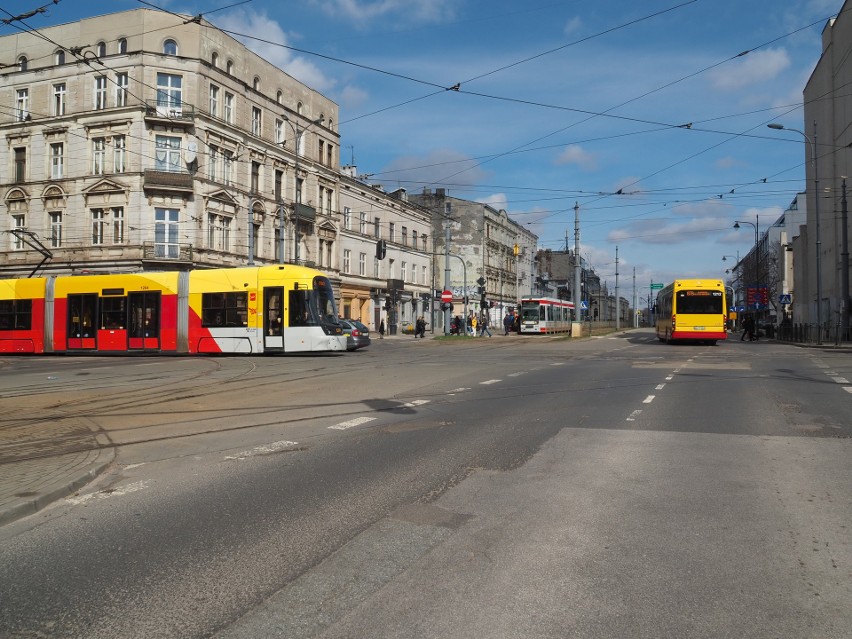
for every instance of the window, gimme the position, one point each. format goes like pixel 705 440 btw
pixel 118 225
pixel 391 232
pixel 98 223
pixel 224 309
pixel 122 45
pixel 255 121
pixel 414 238
pixel 167 156
pixel 22 63
pixel 347 258
pixel 214 60
pixel 227 167
pixel 347 218
pixel 100 49
pixel 16 315
pixel 279 182
pixel 98 156
pixel 55 228
pixel 122 81
pixel 100 92
pixel 255 84
pixel 229 108
pixel 214 100
pixel 362 223
pixel 255 177
pixel 320 150
pixel 113 312
pixel 330 154
pixel 218 232
pixel 362 264
pixel 59 95
pixel 377 228
pixel 19 221
pixel 57 160
pixel 166 233
pixel 404 236
pixel 22 105
pixel 423 239
pixel 59 57
pixel 170 47
pixel 402 271
pixel 229 67
pixel 168 93
pixel 423 275
pixel 20 164
pixel 213 162
pixel 279 96
pixel 119 154
pixel 279 131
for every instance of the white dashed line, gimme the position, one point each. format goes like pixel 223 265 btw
pixel 351 423
pixel 648 399
pixel 669 378
pixel 557 363
pixel 457 390
pixel 517 374
pixel 491 381
pixel 660 386
pixel 105 494
pixel 274 447
pixel 416 402
pixel 848 389
pixel 634 415
pixel 840 380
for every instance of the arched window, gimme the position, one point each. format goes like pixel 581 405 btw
pixel 256 84
pixel 22 63
pixel 101 49
pixel 279 96
pixel 229 68
pixel 60 57
pixel 214 60
pixel 122 45
pixel 170 47
pixel 331 125
pixel 299 108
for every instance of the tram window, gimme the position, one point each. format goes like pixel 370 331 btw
pixel 16 315
pixel 113 312
pixel 300 309
pixel 224 309
pixel 81 311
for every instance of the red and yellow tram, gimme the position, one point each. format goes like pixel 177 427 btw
pixel 265 309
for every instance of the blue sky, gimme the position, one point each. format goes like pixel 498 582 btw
pixel 559 102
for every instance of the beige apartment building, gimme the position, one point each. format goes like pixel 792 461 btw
pixel 142 140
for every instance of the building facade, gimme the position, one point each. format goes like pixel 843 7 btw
pixel 395 286
pixel 142 140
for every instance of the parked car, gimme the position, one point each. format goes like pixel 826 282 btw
pixel 357 334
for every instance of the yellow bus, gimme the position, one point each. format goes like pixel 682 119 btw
pixel 692 310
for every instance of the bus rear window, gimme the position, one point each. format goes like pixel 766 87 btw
pixel 699 302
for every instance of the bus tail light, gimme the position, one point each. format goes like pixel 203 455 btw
pixel 673 321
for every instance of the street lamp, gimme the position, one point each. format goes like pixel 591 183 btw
pixel 297 196
pixel 756 225
pixel 812 145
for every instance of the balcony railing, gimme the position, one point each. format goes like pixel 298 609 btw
pixel 168 180
pixel 167 252
pixel 181 112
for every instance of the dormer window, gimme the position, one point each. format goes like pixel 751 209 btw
pixel 170 47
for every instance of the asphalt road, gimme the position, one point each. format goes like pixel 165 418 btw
pixel 503 487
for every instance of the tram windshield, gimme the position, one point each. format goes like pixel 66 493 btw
pixel 314 307
pixel 529 312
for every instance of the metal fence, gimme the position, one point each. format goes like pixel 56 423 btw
pixel 809 333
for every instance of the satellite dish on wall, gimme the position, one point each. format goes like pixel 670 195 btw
pixel 191 153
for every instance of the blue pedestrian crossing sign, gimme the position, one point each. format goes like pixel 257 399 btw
pixel 584 306
pixel 785 298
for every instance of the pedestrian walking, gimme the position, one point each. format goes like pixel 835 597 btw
pixel 382 329
pixel 748 329
pixel 483 326
pixel 507 323
pixel 420 328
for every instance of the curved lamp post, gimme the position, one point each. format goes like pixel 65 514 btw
pixel 812 145
pixel 756 226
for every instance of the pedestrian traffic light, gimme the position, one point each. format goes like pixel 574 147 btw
pixel 381 249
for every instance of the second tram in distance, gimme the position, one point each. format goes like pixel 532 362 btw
pixel 541 315
pixel 266 309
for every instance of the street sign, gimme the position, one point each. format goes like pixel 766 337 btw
pixel 656 286
pixel 785 298
pixel 447 296
pixel 584 306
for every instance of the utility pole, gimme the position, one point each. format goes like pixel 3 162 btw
pixel 447 209
pixel 578 298
pixel 635 301
pixel 844 266
pixel 617 302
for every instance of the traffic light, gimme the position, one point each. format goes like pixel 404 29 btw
pixel 381 249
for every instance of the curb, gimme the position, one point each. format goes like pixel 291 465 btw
pixel 26 507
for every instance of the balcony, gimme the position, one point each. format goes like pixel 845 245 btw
pixel 172 113
pixel 160 252
pixel 159 180
pixel 305 213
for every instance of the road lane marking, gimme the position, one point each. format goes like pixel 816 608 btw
pixel 660 386
pixel 669 378
pixel 648 399
pixel 352 423
pixel 840 380
pixel 517 374
pixel 634 415
pixel 274 447
pixel 848 389
pixel 491 381
pixel 105 494
pixel 416 402
pixel 457 390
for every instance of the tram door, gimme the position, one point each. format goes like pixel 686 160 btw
pixel 82 321
pixel 144 321
pixel 273 317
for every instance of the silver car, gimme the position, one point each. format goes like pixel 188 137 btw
pixel 357 334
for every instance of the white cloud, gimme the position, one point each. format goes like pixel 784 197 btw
pixel 756 67
pixel 352 97
pixel 573 25
pixel 243 23
pixel 412 11
pixel 497 201
pixel 574 154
